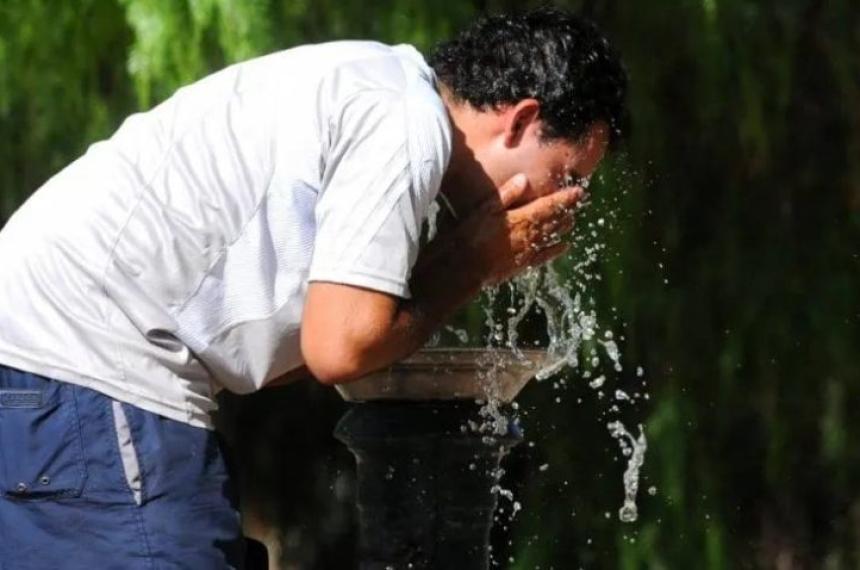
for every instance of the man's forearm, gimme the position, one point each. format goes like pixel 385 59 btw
pixel 442 282
pixel 349 331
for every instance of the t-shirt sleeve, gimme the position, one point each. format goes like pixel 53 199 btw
pixel 387 155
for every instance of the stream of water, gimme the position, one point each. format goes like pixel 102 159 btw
pixel 577 345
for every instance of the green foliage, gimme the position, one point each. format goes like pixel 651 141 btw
pixel 732 271
pixel 62 86
pixel 177 42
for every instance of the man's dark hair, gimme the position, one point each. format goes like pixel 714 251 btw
pixel 560 59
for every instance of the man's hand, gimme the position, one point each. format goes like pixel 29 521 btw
pixel 504 235
pixel 348 331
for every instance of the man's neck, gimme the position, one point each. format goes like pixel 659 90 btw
pixel 463 184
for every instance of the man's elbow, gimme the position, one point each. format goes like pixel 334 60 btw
pixel 346 331
pixel 331 372
pixel 334 362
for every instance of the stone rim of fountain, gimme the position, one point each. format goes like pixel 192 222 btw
pixel 445 374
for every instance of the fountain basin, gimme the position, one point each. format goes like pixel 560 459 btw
pixel 425 480
pixel 434 374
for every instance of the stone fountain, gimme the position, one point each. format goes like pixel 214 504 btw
pixel 425 478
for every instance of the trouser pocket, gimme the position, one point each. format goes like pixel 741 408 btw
pixel 41 452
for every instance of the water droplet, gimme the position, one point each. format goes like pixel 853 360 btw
pixel 628 513
pixel 597 382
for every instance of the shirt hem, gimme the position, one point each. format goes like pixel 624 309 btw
pixel 179 414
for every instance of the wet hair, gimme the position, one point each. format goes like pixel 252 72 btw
pixel 561 60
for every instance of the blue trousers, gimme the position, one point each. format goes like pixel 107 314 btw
pixel 88 482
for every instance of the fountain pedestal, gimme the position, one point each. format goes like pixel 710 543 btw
pixel 426 481
pixel 425 487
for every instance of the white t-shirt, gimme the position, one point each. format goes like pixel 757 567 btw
pixel 172 260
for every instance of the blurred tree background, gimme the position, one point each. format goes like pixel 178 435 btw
pixel 732 271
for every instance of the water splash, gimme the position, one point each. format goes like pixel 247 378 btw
pixel 561 294
pixel 634 449
pixel 462 335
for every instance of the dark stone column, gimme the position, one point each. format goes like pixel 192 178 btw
pixel 424 484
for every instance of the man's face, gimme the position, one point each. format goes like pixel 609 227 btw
pixel 552 165
pixel 491 146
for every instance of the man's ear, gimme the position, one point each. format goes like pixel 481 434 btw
pixel 520 119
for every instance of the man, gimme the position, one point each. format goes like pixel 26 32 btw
pixel 260 225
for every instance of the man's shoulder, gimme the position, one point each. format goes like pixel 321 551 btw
pixel 357 65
